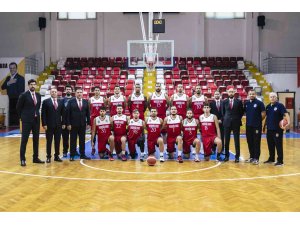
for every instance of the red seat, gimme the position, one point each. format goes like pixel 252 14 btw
pixel 55 82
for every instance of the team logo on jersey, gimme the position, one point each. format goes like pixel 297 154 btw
pixel 133 97
pixel 275 109
pixel 131 121
pixel 175 97
pixel 194 97
pixel 277 135
pixel 255 105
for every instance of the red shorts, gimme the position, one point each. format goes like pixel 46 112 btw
pixel 102 142
pixel 208 143
pixel 118 143
pixel 131 145
pixel 187 147
pixel 171 141
pixel 151 146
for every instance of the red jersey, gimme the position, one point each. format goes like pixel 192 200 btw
pixel 197 105
pixel 103 128
pixel 181 104
pixel 208 126
pixel 95 105
pixel 189 130
pixel 138 102
pixel 153 128
pixel 159 103
pixel 114 102
pixel 135 129
pixel 119 124
pixel 173 126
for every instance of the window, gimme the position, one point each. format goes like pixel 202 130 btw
pixel 76 15
pixel 225 15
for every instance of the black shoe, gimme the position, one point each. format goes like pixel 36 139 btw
pixel 72 158
pixel 218 159
pixel 236 160
pixel 226 159
pixel 37 160
pixel 57 159
pixel 23 163
pixel 269 161
pixel 48 160
pixel 278 164
pixel 77 154
pixel 85 157
pixel 65 155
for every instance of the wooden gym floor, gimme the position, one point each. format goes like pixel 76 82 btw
pixel 132 186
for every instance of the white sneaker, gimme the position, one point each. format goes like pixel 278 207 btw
pixel 161 159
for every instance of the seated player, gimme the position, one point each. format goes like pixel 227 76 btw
pixel 101 126
pixel 173 125
pixel 135 135
pixel 153 124
pixel 119 123
pixel 190 126
pixel 210 132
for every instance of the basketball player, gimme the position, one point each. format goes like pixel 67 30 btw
pixel 173 125
pixel 115 100
pixel 119 123
pixel 197 101
pixel 135 135
pixel 137 101
pixel 153 124
pixel 95 103
pixel 190 126
pixel 210 132
pixel 180 100
pixel 101 126
pixel 159 101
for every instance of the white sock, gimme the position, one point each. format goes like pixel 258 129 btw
pixel 179 153
pixel 123 152
pixel 161 154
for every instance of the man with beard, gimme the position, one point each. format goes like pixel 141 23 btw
pixel 173 125
pixel 232 120
pixel 65 132
pixel 135 135
pixel 102 127
pixel 180 101
pixel 154 138
pixel 119 123
pixel 115 100
pixel 197 101
pixel 137 101
pixel 190 127
pixel 28 109
pixel 95 103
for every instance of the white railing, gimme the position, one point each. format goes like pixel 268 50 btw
pixel 279 65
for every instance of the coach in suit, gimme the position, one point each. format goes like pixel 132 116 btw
pixel 28 109
pixel 78 119
pixel 216 109
pixel 232 111
pixel 15 86
pixel 52 121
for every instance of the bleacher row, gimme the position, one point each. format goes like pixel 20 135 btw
pixel 107 78
pixel 180 62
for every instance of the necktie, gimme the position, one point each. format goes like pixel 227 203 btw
pixel 55 104
pixel 34 99
pixel 218 105
pixel 231 103
pixel 80 105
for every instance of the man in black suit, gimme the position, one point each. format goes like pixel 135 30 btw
pixel 78 119
pixel 15 86
pixel 52 121
pixel 232 111
pixel 216 109
pixel 28 108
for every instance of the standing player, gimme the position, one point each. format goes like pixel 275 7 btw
pixel 116 100
pixel 190 126
pixel 101 126
pixel 95 103
pixel 173 125
pixel 154 138
pixel 197 101
pixel 159 101
pixel 135 135
pixel 119 123
pixel 210 132
pixel 180 101
pixel 137 101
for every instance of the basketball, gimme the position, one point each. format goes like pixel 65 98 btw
pixel 283 123
pixel 151 160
